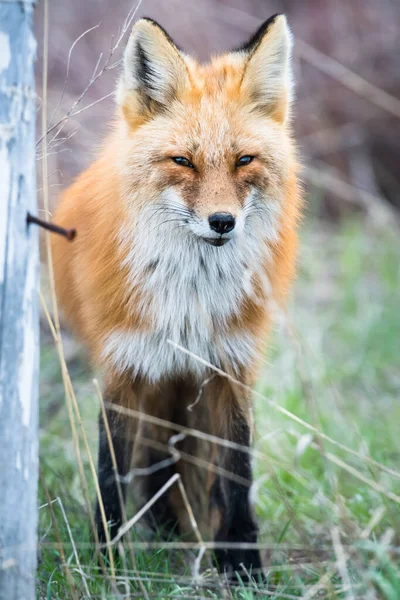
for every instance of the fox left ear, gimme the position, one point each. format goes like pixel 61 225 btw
pixel 267 80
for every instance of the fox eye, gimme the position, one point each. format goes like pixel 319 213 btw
pixel 182 161
pixel 244 160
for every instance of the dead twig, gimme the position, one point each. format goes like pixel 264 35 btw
pixel 96 74
pixel 348 78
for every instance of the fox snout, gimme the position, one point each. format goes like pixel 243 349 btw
pixel 217 228
pixel 221 222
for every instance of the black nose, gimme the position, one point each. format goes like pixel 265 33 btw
pixel 222 222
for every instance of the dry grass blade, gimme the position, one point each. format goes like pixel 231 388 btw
pixel 125 528
pixel 195 528
pixel 75 438
pixel 177 545
pixel 186 579
pixel 331 457
pixel 74 550
pixel 321 584
pixel 116 476
pixel 180 454
pixel 346 467
pixel 47 234
pixel 191 406
pixel 285 412
pixel 186 430
pixel 341 561
pixel 59 544
pixel 92 469
pixel 377 516
pixel 376 486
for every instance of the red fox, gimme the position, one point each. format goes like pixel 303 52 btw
pixel 186 237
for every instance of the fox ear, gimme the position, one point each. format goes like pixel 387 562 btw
pixel 267 79
pixel 153 67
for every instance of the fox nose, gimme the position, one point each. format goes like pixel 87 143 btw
pixel 221 222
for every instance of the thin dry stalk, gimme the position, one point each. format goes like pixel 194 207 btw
pixel 180 454
pixel 165 577
pixel 75 437
pixel 201 462
pixel 191 406
pixel 376 518
pixel 212 545
pixel 186 430
pixel 353 471
pixel 282 410
pixel 341 560
pixel 322 583
pixel 373 484
pixel 70 395
pixel 74 550
pixel 193 523
pixel 58 500
pixel 56 327
pixel 57 534
pixel 124 578
pixel 222 442
pixel 116 477
pixel 127 526
pixel 93 472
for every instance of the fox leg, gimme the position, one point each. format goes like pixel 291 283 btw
pixel 231 495
pixel 112 486
pixel 153 454
pixel 218 478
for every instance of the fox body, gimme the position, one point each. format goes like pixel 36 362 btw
pixel 186 241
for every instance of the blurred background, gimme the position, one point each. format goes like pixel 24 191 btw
pixel 342 135
pixel 334 356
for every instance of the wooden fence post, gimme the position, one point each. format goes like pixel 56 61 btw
pixel 19 353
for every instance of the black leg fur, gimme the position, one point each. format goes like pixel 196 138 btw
pixel 238 524
pixel 123 448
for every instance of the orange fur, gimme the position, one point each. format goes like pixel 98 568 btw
pixel 90 278
pixel 212 115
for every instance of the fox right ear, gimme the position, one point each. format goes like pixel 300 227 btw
pixel 267 79
pixel 153 68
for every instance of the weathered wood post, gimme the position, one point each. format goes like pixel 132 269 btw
pixel 18 305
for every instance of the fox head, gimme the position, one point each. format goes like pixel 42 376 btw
pixel 206 149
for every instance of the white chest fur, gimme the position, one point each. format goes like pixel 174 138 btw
pixel 190 290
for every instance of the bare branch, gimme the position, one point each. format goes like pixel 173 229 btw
pixel 348 78
pixel 68 67
pixel 377 207
pixel 108 65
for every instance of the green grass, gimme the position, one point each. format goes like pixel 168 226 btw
pixel 333 362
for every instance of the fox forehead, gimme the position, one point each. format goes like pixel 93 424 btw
pixel 209 117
